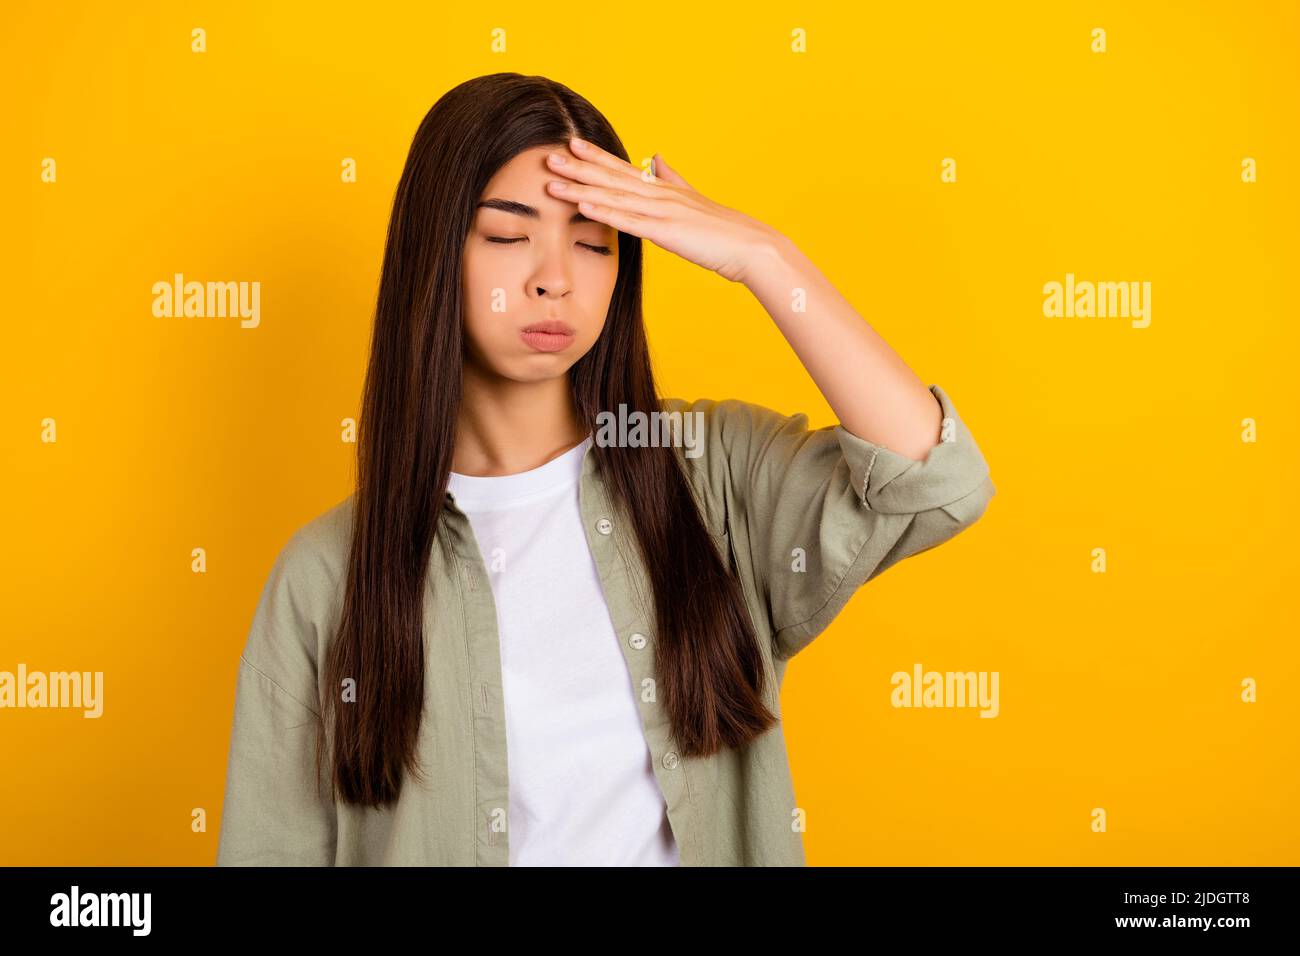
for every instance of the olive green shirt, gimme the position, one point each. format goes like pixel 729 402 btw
pixel 804 517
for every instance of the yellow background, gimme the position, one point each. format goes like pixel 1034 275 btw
pixel 1118 690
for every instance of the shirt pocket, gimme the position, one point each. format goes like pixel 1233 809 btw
pixel 722 541
pixel 721 538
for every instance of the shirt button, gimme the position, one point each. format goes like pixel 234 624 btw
pixel 604 526
pixel 637 641
pixel 670 759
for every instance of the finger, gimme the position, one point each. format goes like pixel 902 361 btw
pixel 667 173
pixel 597 175
pixel 592 153
pixel 629 222
pixel 614 198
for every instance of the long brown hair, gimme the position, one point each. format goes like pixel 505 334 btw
pixel 709 668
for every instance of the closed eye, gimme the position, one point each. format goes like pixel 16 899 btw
pixel 602 250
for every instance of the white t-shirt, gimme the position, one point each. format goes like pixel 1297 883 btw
pixel 582 788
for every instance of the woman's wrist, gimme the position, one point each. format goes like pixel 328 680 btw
pixel 771 252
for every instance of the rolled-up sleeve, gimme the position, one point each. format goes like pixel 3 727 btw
pixel 277 811
pixel 819 512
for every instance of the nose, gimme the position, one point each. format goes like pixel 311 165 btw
pixel 552 279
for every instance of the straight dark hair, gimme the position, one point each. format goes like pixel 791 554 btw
pixel 709 668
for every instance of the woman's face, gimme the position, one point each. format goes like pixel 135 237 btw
pixel 532 259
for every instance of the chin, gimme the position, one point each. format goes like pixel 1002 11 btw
pixel 538 367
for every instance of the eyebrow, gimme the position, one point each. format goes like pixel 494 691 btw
pixel 523 209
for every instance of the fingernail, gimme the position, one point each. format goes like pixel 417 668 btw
pixel 557 159
pixel 557 186
pixel 578 143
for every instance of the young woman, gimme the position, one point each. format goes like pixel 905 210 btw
pixel 532 636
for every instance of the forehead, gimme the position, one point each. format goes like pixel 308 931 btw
pixel 519 188
pixel 526 170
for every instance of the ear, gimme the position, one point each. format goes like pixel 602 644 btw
pixel 667 173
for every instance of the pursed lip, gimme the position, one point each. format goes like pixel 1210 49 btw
pixel 551 326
